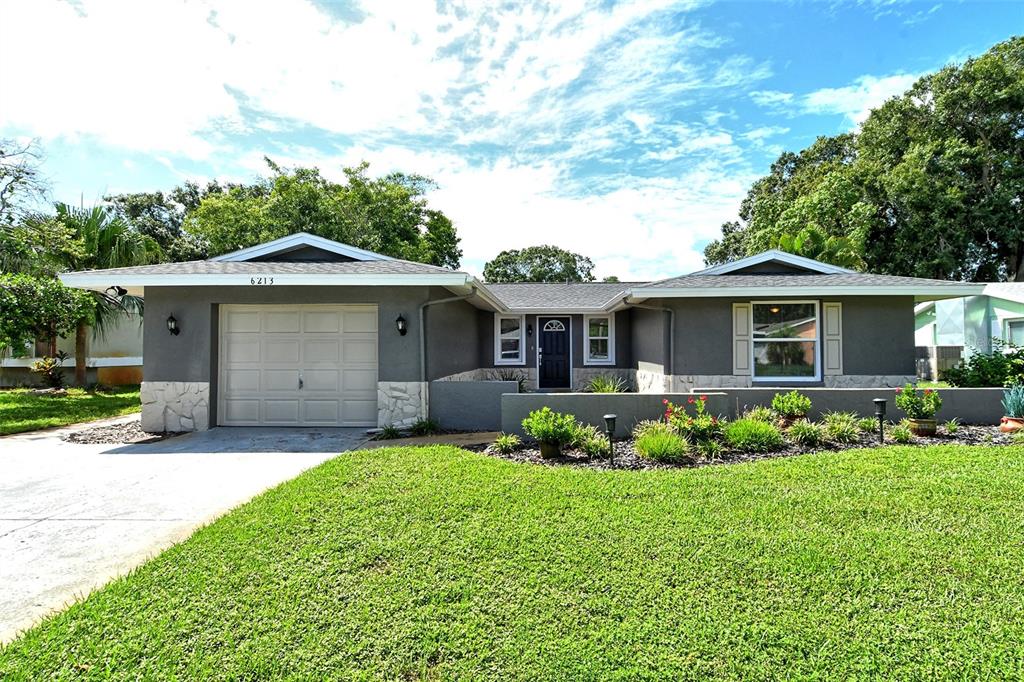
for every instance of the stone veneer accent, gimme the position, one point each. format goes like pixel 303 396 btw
pixel 654 382
pixel 175 406
pixel 869 380
pixel 401 403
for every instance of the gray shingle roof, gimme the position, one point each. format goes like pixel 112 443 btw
pixel 857 279
pixel 559 295
pixel 209 267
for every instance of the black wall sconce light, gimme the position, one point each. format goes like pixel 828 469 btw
pixel 529 330
pixel 172 325
pixel 117 291
pixel 401 325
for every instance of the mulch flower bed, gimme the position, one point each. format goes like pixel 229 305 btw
pixel 627 458
pixel 116 434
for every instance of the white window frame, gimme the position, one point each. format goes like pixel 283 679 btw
pixel 817 344
pixel 587 360
pixel 498 360
pixel 1006 326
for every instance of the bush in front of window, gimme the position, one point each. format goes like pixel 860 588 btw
pixel 751 435
pixel 792 405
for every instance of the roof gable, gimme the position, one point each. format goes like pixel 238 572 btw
pixel 774 262
pixel 301 246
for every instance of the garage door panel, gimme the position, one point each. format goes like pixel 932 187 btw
pixel 321 350
pixel 360 351
pixel 265 349
pixel 282 322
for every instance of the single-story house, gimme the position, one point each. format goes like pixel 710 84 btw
pixel 305 331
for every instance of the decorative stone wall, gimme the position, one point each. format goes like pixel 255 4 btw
pixel 652 382
pixel 868 380
pixel 401 403
pixel 175 406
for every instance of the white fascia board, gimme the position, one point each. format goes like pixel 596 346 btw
pixel 774 255
pixel 558 311
pixel 100 281
pixel 485 294
pixel 299 240
pixel 919 292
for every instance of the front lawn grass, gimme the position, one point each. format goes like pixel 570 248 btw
pixel 21 410
pixel 895 563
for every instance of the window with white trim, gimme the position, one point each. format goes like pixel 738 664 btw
pixel 509 339
pixel 599 339
pixel 784 341
pixel 1015 332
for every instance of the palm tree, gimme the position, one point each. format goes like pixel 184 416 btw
pixel 106 241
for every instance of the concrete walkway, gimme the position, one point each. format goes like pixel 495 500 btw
pixel 73 516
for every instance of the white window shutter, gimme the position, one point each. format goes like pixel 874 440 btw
pixel 741 339
pixel 832 338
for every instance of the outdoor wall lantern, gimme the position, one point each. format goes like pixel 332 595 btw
pixel 609 426
pixel 401 325
pixel 880 413
pixel 172 325
pixel 118 291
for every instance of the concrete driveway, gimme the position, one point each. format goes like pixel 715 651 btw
pixel 73 516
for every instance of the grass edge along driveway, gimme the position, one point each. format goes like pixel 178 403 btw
pixel 441 563
pixel 21 410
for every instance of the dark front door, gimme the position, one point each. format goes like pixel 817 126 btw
pixel 553 371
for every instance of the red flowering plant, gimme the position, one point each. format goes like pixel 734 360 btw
pixel 697 428
pixel 918 404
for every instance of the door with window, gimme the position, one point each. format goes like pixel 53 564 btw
pixel 553 354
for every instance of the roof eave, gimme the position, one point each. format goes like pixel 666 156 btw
pixel 919 292
pixel 102 279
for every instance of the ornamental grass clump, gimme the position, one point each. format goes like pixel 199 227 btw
pixel 792 405
pixel 807 433
pixel 698 428
pixel 1013 402
pixel 760 413
pixel 506 443
pixel 659 442
pixel 901 433
pixel 590 441
pixel 607 384
pixel 750 435
pixel 842 427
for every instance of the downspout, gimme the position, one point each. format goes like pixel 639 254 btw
pixel 671 331
pixel 423 330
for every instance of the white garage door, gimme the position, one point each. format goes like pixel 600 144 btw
pixel 298 365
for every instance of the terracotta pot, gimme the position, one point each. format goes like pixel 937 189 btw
pixel 1011 424
pixel 550 450
pixel 923 427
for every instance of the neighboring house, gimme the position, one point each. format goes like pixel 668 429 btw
pixel 306 331
pixel 114 357
pixel 949 330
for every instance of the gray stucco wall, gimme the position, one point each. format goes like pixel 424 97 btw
pixel 649 339
pixel 469 405
pixel 453 344
pixel 192 355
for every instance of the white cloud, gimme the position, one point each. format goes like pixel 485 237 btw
pixel 771 97
pixel 855 101
pixel 764 132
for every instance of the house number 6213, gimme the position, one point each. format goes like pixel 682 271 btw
pixel 261 280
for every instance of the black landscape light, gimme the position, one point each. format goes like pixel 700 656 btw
pixel 609 427
pixel 172 325
pixel 401 325
pixel 880 413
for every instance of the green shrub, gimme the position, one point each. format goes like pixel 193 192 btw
pixel 662 445
pixel 425 427
pixel 710 450
pixel 698 428
pixel 389 432
pixel 590 440
pixel 760 413
pixel 751 435
pixel 1004 366
pixel 792 404
pixel 842 427
pixel 51 369
pixel 607 384
pixel 918 404
pixel 506 443
pixel 806 433
pixel 1013 402
pixel 867 424
pixel 551 427
pixel 651 425
pixel 952 426
pixel 901 433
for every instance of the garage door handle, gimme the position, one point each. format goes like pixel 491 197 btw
pixel 300 383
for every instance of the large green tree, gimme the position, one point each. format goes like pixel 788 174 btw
pixel 38 308
pixel 162 217
pixel 539 264
pixel 388 214
pixel 931 186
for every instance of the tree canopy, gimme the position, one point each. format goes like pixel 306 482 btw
pixel 539 264
pixel 38 307
pixel 930 186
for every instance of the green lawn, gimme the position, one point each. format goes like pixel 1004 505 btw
pixel 897 563
pixel 20 410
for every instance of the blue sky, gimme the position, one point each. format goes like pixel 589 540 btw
pixel 627 132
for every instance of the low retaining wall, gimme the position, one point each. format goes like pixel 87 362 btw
pixel 468 405
pixel 969 405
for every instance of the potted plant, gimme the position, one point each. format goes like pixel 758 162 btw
pixel 1013 410
pixel 551 429
pixel 920 407
pixel 791 407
